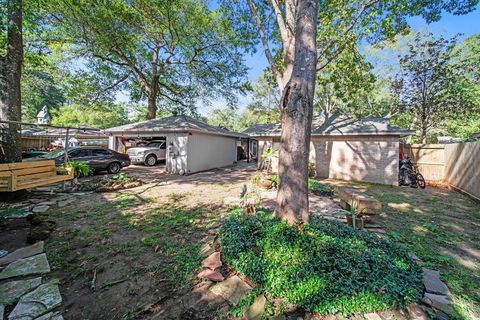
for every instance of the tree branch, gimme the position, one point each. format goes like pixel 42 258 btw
pixel 280 21
pixel 266 47
pixel 360 12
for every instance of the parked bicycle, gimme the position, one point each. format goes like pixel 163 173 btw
pixel 409 175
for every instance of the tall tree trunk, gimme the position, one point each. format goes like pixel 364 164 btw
pixel 10 94
pixel 152 105
pixel 424 135
pixel 296 112
pixel 424 124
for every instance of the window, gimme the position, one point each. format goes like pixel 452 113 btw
pixel 79 153
pixel 157 144
pixel 100 153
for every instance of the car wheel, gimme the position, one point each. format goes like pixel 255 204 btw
pixel 114 167
pixel 151 160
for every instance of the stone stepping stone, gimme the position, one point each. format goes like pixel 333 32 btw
pixel 33 304
pixel 51 316
pixel 201 301
pixel 439 302
pixel 208 274
pixel 21 253
pixel 11 291
pixel 206 249
pixel 372 316
pixel 212 261
pixel 233 289
pixel 433 284
pixel 40 209
pixel 47 203
pixel 34 265
pixel 256 310
pixel 415 312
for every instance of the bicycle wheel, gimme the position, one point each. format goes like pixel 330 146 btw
pixel 420 181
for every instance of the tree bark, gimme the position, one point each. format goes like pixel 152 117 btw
pixel 296 112
pixel 424 135
pixel 152 107
pixel 152 93
pixel 10 94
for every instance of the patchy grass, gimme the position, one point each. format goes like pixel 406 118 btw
pixel 141 250
pixel 442 228
pixel 319 189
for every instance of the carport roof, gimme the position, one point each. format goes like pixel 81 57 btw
pixel 335 125
pixel 173 124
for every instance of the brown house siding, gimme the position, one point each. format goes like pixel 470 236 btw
pixel 359 158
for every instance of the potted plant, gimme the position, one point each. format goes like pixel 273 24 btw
pixel 266 179
pixel 354 218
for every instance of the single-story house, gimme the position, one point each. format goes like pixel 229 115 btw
pixel 192 145
pixel 345 148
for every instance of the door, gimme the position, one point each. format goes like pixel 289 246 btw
pixel 253 149
pixel 80 155
pixel 100 159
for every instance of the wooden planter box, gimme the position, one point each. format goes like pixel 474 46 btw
pixel 359 221
pixel 265 183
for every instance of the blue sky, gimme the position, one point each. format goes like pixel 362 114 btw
pixel 448 26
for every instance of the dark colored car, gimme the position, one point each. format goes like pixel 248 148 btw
pixel 33 154
pixel 97 158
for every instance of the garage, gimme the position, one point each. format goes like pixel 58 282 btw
pixel 344 148
pixel 188 145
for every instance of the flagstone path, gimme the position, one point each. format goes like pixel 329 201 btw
pixel 23 292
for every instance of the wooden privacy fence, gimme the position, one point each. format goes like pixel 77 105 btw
pixel 457 164
pixel 462 167
pixel 429 158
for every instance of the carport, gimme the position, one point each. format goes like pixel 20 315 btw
pixel 192 145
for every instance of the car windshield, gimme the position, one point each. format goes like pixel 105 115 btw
pixel 155 144
pixel 53 154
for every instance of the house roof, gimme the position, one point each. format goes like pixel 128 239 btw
pixel 173 124
pixel 78 132
pixel 476 135
pixel 336 125
pixel 43 113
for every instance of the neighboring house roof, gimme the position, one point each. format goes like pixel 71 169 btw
pixel 476 135
pixel 174 124
pixel 78 132
pixel 28 132
pixel 448 139
pixel 43 113
pixel 335 125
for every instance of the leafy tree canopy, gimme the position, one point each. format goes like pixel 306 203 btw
pixel 161 51
pixel 101 115
pixel 429 86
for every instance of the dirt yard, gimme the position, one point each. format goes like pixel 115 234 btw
pixel 142 245
pixel 133 254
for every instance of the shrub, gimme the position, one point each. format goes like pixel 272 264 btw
pixel 80 169
pixel 318 188
pixel 312 170
pixel 326 268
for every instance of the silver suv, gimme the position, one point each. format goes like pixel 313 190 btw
pixel 149 154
